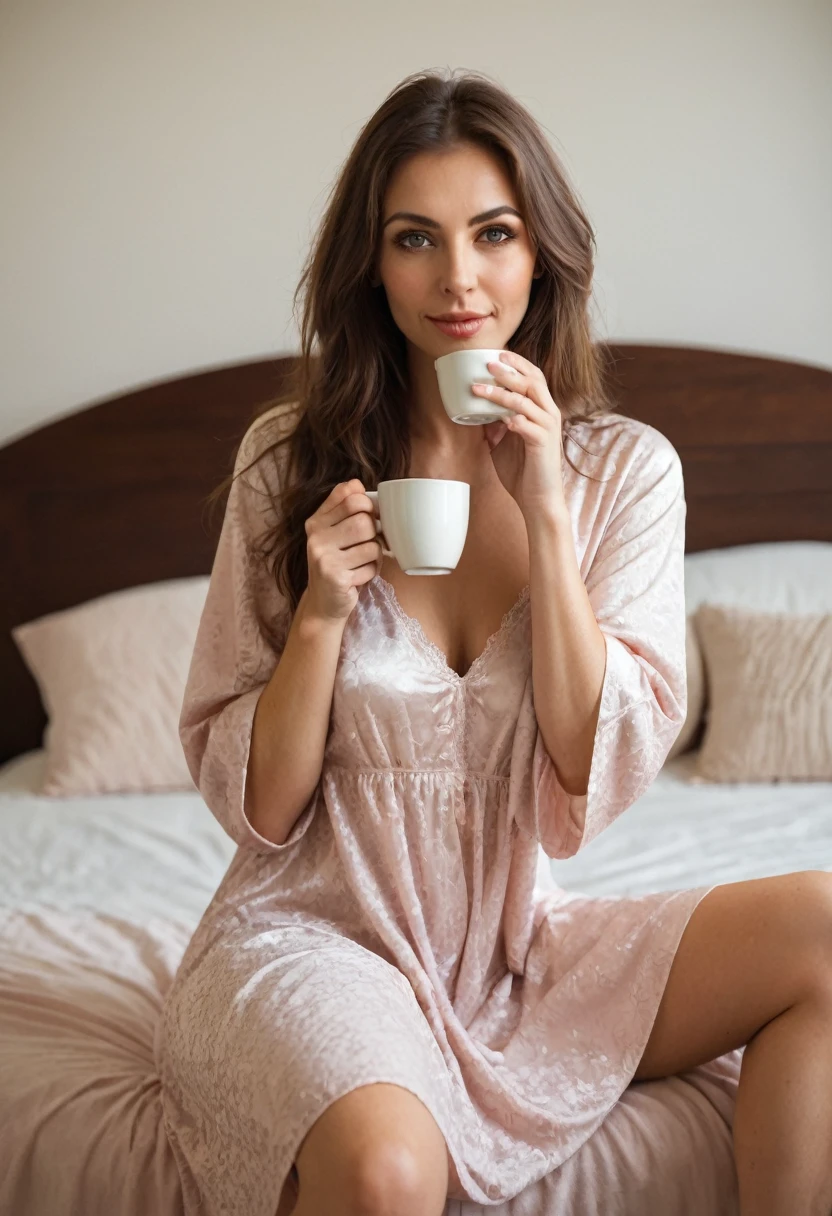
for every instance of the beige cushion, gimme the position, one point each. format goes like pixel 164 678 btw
pixel 696 693
pixel 769 677
pixel 112 675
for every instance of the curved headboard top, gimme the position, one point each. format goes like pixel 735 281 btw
pixel 113 495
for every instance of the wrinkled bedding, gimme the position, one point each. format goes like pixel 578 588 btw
pixel 98 899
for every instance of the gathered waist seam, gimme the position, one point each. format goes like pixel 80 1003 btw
pixel 417 772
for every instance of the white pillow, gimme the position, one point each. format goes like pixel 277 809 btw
pixel 776 576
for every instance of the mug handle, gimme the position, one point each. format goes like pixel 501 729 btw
pixel 373 497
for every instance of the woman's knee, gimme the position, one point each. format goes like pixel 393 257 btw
pixel 394 1180
pixel 374 1151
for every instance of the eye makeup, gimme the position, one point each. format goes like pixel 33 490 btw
pixel 399 240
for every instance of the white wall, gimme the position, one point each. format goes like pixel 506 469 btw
pixel 164 164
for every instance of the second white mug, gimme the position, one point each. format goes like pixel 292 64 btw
pixel 423 522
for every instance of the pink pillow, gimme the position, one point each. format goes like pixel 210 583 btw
pixel 112 675
pixel 769 677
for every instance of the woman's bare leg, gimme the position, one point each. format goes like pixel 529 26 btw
pixel 783 1116
pixel 754 967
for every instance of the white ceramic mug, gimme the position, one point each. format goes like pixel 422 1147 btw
pixel 423 522
pixel 456 373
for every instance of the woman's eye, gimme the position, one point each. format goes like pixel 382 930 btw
pixel 405 236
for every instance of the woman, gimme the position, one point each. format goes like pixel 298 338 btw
pixel 377 1003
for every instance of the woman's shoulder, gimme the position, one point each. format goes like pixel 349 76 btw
pixel 619 448
pixel 257 452
pixel 271 424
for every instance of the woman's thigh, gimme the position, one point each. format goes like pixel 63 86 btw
pixel 750 950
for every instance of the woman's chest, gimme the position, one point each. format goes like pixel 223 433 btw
pixel 399 704
pixel 461 612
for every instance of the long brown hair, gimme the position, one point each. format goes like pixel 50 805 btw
pixel 351 392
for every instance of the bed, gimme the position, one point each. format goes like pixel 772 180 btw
pixel 99 895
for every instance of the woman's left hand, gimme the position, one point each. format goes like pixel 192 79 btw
pixel 526 449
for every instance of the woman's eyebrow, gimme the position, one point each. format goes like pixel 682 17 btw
pixel 427 222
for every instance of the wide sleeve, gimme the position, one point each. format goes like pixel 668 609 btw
pixel 636 587
pixel 241 635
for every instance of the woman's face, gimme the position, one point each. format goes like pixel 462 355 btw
pixel 436 261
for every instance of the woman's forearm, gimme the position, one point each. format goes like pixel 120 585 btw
pixel 568 651
pixel 290 727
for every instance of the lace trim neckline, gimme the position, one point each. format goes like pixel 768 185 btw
pixel 421 640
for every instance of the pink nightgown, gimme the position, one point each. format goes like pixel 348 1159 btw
pixel 397 934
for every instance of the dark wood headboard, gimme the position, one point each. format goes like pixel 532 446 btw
pixel 113 495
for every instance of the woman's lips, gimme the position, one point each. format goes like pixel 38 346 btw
pixel 460 329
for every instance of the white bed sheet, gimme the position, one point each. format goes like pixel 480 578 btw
pixel 129 855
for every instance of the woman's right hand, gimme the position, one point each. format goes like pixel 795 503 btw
pixel 342 551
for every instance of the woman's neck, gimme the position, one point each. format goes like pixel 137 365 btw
pixel 443 456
